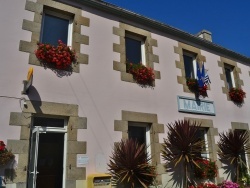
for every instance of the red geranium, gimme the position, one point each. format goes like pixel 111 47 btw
pixel 193 86
pixel 207 169
pixel 59 57
pixel 144 76
pixel 5 155
pixel 2 146
pixel 237 95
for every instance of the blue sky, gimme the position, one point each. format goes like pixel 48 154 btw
pixel 228 20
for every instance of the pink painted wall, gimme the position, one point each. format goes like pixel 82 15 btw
pixel 98 89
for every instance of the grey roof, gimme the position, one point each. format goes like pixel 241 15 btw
pixel 183 36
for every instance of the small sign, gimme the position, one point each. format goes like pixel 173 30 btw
pixel 197 106
pixel 82 160
pixel 27 83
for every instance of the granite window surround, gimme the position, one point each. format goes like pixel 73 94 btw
pixel 21 147
pixel 34 27
pixel 155 129
pixel 224 62
pixel 245 127
pixel 182 49
pixel 149 43
pixel 212 146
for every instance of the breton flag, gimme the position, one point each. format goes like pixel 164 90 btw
pixel 202 77
pixel 206 80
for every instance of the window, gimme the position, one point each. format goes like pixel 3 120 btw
pixel 229 76
pixel 244 167
pixel 135 49
pixel 203 136
pixel 141 133
pixel 56 26
pixel 189 64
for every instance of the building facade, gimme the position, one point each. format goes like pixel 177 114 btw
pixel 76 116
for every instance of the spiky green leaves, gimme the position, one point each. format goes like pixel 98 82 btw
pixel 130 165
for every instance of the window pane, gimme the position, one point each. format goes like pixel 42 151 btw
pixel 188 63
pixel 137 133
pixel 48 122
pixel 54 29
pixel 202 136
pixel 229 78
pixel 133 51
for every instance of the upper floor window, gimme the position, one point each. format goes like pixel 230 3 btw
pixel 229 76
pixel 141 133
pixel 135 49
pixel 56 26
pixel 189 64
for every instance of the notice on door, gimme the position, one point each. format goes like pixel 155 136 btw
pixel 82 160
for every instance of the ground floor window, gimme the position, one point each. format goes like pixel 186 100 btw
pixel 141 133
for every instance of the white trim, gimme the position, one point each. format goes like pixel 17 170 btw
pixel 143 53
pixel 232 77
pixel 148 145
pixel 70 31
pixel 63 130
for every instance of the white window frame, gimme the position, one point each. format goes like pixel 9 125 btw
pixel 231 68
pixel 143 51
pixel 148 142
pixel 60 15
pixel 205 130
pixel 246 156
pixel 193 56
pixel 44 129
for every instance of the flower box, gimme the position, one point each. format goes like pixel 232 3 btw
pixel 193 86
pixel 237 95
pixel 142 75
pixel 59 57
pixel 206 169
pixel 5 155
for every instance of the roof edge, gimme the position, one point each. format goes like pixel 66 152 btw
pixel 120 12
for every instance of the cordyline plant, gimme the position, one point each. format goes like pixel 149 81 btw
pixel 130 165
pixel 237 95
pixel 182 146
pixel 233 145
pixel 142 75
pixel 5 155
pixel 59 57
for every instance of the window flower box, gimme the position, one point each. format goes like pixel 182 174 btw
pixel 142 75
pixel 237 95
pixel 59 57
pixel 206 169
pixel 193 86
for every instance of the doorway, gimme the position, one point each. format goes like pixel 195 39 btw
pixel 47 159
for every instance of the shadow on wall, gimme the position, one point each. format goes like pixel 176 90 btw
pixel 176 172
pixel 229 170
pixel 7 172
pixel 35 99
